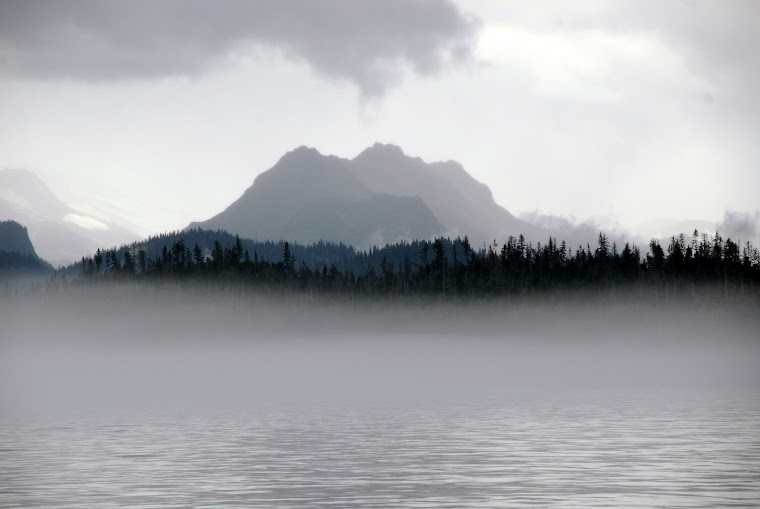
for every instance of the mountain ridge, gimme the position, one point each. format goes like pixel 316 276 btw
pixel 454 203
pixel 14 237
pixel 460 202
pixel 17 253
pixel 307 196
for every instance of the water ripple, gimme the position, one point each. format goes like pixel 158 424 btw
pixel 674 455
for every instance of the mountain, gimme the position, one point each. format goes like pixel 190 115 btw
pixel 17 255
pixel 461 203
pixel 382 195
pixel 309 197
pixel 15 238
pixel 60 233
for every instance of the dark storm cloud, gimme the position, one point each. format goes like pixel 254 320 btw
pixel 366 41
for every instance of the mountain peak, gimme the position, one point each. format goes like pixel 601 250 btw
pixel 306 150
pixel 302 157
pixel 381 193
pixel 21 173
pixel 302 152
pixel 382 150
pixel 14 237
pixel 387 147
pixel 24 187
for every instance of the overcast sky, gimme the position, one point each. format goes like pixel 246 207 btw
pixel 161 113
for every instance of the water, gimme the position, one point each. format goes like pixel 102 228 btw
pixel 702 452
pixel 132 402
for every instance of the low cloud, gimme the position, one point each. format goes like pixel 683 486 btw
pixel 740 226
pixel 576 233
pixel 369 42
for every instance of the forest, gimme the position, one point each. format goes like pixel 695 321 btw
pixel 441 267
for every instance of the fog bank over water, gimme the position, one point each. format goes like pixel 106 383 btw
pixel 135 349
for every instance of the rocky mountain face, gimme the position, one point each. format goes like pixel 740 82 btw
pixel 380 196
pixel 17 254
pixel 14 238
pixel 461 203
pixel 308 197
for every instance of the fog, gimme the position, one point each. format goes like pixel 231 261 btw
pixel 138 349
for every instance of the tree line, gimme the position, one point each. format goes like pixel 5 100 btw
pixel 442 266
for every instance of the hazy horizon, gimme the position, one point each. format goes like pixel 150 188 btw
pixel 737 225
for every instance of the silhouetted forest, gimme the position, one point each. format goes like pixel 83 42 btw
pixel 12 262
pixel 17 256
pixel 440 267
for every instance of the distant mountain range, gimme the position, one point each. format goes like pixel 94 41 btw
pixel 60 233
pixel 381 196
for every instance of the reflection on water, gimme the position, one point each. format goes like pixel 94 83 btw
pixel 669 454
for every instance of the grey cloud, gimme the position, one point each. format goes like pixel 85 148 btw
pixel 365 41
pixel 740 226
pixel 717 40
pixel 576 233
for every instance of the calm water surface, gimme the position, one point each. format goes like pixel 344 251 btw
pixel 678 453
